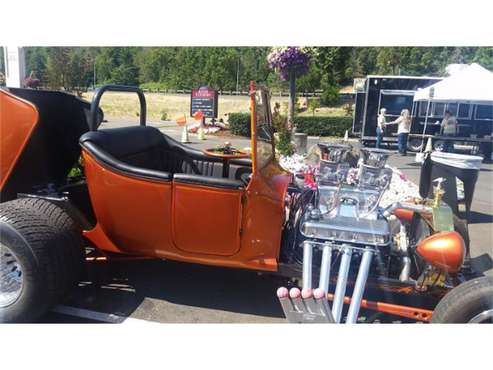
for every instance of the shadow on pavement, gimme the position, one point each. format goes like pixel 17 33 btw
pixel 482 263
pixel 122 287
pixel 480 218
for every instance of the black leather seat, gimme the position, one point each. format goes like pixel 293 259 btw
pixel 144 151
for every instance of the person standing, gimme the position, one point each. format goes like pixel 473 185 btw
pixel 380 126
pixel 448 128
pixel 403 128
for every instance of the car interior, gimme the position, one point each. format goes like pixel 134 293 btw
pixel 145 152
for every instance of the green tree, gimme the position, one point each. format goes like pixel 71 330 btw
pixel 313 105
pixel 389 60
pixel 333 62
pixel 117 65
pixel 484 56
pixel 68 68
pixel 221 67
pixel 36 62
pixel 310 81
pixel 155 64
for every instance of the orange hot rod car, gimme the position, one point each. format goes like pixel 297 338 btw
pixel 143 194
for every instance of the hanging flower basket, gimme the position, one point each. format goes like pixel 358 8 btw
pixel 289 58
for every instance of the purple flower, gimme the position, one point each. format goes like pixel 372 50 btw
pixel 291 58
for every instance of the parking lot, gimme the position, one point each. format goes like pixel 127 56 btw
pixel 171 292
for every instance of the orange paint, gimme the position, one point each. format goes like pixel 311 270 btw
pixel 190 223
pixel 206 220
pixel 414 313
pixel 18 118
pixel 404 214
pixel 445 250
pixel 133 214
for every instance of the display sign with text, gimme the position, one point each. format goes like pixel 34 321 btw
pixel 204 99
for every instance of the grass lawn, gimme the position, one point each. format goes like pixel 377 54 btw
pixel 126 106
pixel 325 112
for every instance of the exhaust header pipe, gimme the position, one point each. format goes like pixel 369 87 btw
pixel 311 306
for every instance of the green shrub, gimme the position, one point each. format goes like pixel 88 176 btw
pixel 330 95
pixel 313 105
pixel 164 115
pixel 153 86
pixel 239 124
pixel 284 145
pixel 323 126
pixel 279 121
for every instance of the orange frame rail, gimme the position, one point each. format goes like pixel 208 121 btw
pixel 419 314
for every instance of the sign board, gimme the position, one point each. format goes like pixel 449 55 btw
pixel 204 99
pixel 359 85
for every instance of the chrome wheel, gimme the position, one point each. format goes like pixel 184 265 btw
pixel 439 146
pixel 483 317
pixel 11 279
pixel 415 145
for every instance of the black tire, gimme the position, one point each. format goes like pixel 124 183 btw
pixel 439 145
pixel 73 247
pixel 466 301
pixel 414 145
pixel 43 246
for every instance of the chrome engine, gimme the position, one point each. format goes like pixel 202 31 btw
pixel 344 220
pixel 346 208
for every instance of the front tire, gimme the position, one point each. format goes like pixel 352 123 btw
pixel 38 263
pixel 469 302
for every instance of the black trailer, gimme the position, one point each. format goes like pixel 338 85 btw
pixel 475 121
pixel 394 93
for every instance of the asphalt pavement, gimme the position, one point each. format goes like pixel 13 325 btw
pixel 172 292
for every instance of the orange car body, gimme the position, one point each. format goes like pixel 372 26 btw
pixel 185 222
pixel 23 116
pixel 192 223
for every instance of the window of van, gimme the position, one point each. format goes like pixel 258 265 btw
pixel 396 103
pixel 484 111
pixel 464 111
pixel 423 106
pixel 438 109
pixel 452 108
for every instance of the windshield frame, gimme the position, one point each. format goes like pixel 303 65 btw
pixel 265 97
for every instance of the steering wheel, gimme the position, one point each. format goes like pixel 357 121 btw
pixel 226 153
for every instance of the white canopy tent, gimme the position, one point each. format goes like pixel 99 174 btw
pixel 472 84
